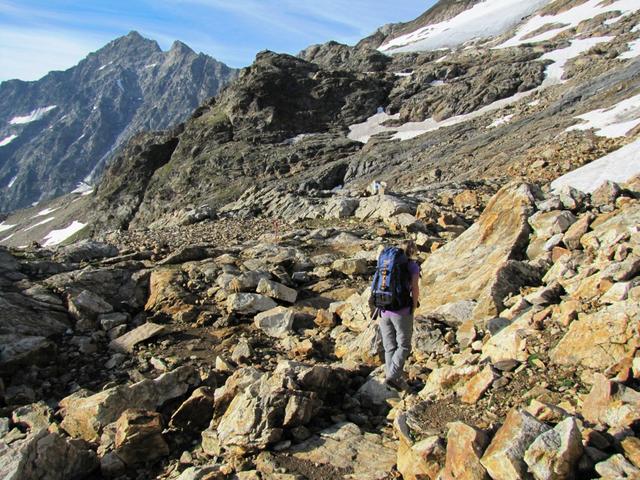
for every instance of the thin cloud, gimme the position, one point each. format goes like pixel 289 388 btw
pixel 43 50
pixel 36 38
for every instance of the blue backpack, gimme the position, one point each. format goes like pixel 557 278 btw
pixel 391 287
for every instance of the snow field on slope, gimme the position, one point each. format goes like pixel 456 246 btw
pixel 560 57
pixel 569 19
pixel 7 140
pixel 12 181
pixel 44 212
pixel 4 227
pixel 485 19
pixel 618 166
pixel 83 189
pixel 36 114
pixel 56 237
pixel 43 222
pixel 633 52
pixel 612 122
pixel 500 121
pixel 362 132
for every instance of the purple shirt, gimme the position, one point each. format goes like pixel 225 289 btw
pixel 414 272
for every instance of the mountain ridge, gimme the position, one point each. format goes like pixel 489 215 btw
pixel 127 86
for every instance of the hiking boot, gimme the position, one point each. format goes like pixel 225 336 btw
pixel 398 384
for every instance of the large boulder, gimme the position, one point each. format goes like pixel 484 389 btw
pixel 139 437
pixel 86 416
pixel 344 446
pixel 417 460
pixel 554 455
pixel 504 458
pixel 18 351
pixel 600 339
pixel 361 348
pixel 611 403
pixel 277 322
pixel 128 286
pixel 249 303
pixel 510 343
pixel 127 342
pixel 23 314
pixel 480 264
pixel 46 455
pixel 196 412
pixel 465 446
pixel 85 307
pixel 86 250
pixel 277 291
pixel 258 415
pixel 381 207
pixel 355 312
pixel 167 296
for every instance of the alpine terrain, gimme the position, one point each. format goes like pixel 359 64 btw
pixel 60 131
pixel 203 312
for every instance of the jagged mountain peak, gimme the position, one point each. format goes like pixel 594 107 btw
pixel 78 118
pixel 131 41
pixel 180 47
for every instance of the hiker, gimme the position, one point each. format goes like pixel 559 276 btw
pixel 376 188
pixel 395 293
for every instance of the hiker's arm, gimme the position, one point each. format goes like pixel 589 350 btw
pixel 415 291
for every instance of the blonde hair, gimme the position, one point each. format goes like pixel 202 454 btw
pixel 409 247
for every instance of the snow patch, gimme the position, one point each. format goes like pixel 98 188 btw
pixel 36 114
pixel 618 166
pixel 4 228
pixel 560 57
pixel 43 222
pixel 483 20
pixel 535 103
pixel 403 74
pixel 12 181
pixel 362 132
pixel 636 28
pixel 436 83
pixel 298 138
pixel 105 66
pixel 56 237
pixel 569 19
pixel 83 189
pixel 500 121
pixel 44 212
pixel 7 140
pixel 614 121
pixel 151 65
pixel 120 86
pixel 633 52
pixel 7 238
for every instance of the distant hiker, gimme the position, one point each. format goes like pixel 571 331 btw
pixel 376 187
pixel 437 173
pixel 395 292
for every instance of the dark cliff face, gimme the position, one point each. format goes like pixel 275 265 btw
pixel 63 128
pixel 247 137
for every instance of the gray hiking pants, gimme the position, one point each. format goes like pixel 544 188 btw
pixel 396 338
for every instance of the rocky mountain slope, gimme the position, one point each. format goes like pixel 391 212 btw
pixel 216 324
pixel 62 129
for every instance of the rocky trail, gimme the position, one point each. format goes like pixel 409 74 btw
pixel 161 357
pixel 207 316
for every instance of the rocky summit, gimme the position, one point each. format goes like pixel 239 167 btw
pixel 61 130
pixel 204 313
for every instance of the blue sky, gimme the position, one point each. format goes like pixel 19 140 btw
pixel 37 36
